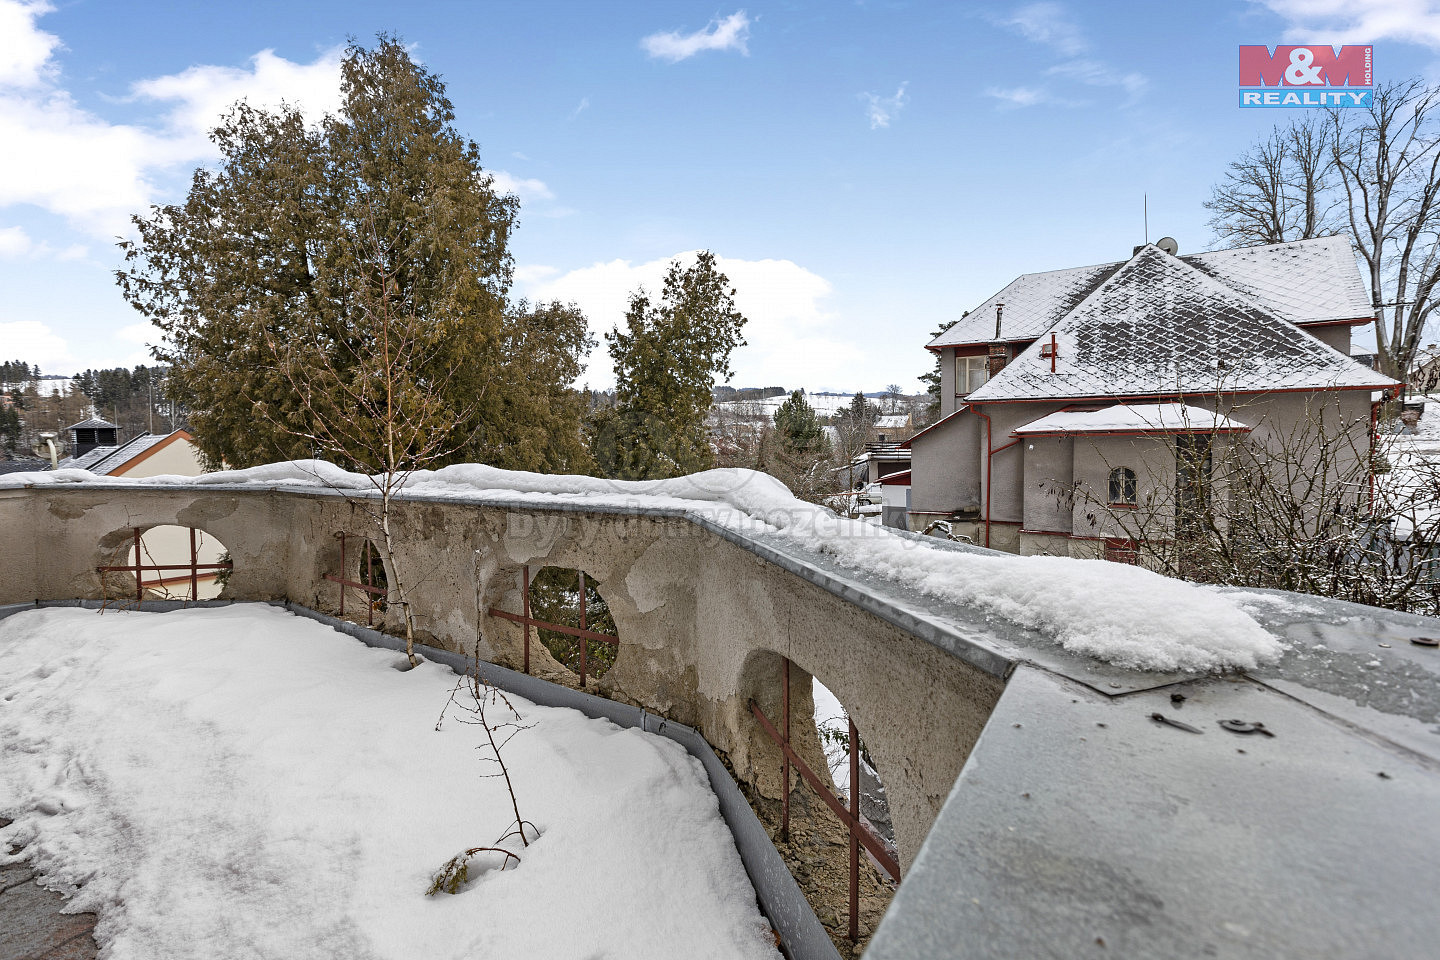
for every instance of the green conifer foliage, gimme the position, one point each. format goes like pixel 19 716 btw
pixel 666 362
pixel 328 274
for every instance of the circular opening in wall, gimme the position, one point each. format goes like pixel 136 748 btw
pixel 555 597
pixel 170 563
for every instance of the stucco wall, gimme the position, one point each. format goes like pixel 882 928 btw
pixel 702 621
pixel 178 458
pixel 1335 335
pixel 1048 464
pixel 948 458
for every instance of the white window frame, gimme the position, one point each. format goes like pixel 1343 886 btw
pixel 966 370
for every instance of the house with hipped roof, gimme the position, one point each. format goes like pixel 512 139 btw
pixel 1112 384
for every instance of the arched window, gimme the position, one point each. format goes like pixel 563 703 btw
pixel 1122 487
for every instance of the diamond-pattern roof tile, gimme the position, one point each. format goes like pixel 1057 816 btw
pixel 1159 325
pixel 1305 281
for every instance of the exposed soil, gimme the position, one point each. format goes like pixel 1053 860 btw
pixel 818 855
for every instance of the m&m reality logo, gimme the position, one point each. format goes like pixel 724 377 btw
pixel 1310 76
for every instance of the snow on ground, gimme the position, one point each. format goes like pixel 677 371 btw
pixel 832 721
pixel 240 782
pixel 1115 612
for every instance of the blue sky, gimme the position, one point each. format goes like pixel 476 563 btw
pixel 866 171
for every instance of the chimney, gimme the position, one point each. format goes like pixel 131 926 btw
pixel 999 350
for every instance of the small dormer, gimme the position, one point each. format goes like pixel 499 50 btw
pixel 89 434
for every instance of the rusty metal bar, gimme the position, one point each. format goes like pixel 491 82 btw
pixel 547 625
pixel 784 755
pixel 377 591
pixel 139 588
pixel 194 568
pixel 368 577
pixel 854 845
pixel 341 537
pixel 131 568
pixel 862 830
pixel 583 640
pixel 525 574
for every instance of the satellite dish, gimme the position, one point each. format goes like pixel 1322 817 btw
pixel 1169 245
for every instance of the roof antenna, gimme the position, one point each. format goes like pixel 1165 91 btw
pixel 1145 199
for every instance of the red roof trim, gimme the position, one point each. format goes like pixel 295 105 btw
pixel 896 479
pixel 1114 397
pixel 1158 431
pixel 151 451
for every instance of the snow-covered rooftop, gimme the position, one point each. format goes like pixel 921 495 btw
pixel 1133 418
pixel 1306 281
pixel 1033 303
pixel 93 423
pixel 1160 325
pixel 105 459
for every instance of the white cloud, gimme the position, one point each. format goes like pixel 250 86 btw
pixel 789 331
pixel 1359 21
pixel 525 188
pixel 732 33
pixel 581 108
pixel 202 94
pixel 1051 25
pixel 881 110
pixel 24 50
pixel 1095 74
pixel 1048 24
pixel 534 273
pixel 14 242
pixel 1015 97
pixel 95 173
pixel 36 343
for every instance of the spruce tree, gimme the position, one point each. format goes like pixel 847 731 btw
pixel 666 362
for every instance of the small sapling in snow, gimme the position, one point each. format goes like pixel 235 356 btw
pixel 469 702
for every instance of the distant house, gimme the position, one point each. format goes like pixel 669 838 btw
pixel 891 428
pixel 879 459
pixel 97 449
pixel 151 455
pixel 1109 380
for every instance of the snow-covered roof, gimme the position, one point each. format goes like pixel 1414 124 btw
pixel 1161 325
pixel 1034 302
pixel 106 459
pixel 1132 418
pixel 900 479
pixel 93 423
pixel 1305 281
pixel 896 421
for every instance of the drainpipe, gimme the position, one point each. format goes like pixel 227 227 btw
pixel 989 452
pixel 49 440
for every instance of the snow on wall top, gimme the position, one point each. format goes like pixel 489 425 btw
pixel 1305 281
pixel 1132 418
pixel 1149 622
pixel 1160 325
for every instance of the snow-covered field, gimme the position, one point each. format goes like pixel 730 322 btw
pixel 240 782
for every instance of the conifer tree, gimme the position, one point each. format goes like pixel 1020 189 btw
pixel 277 259
pixel 666 362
